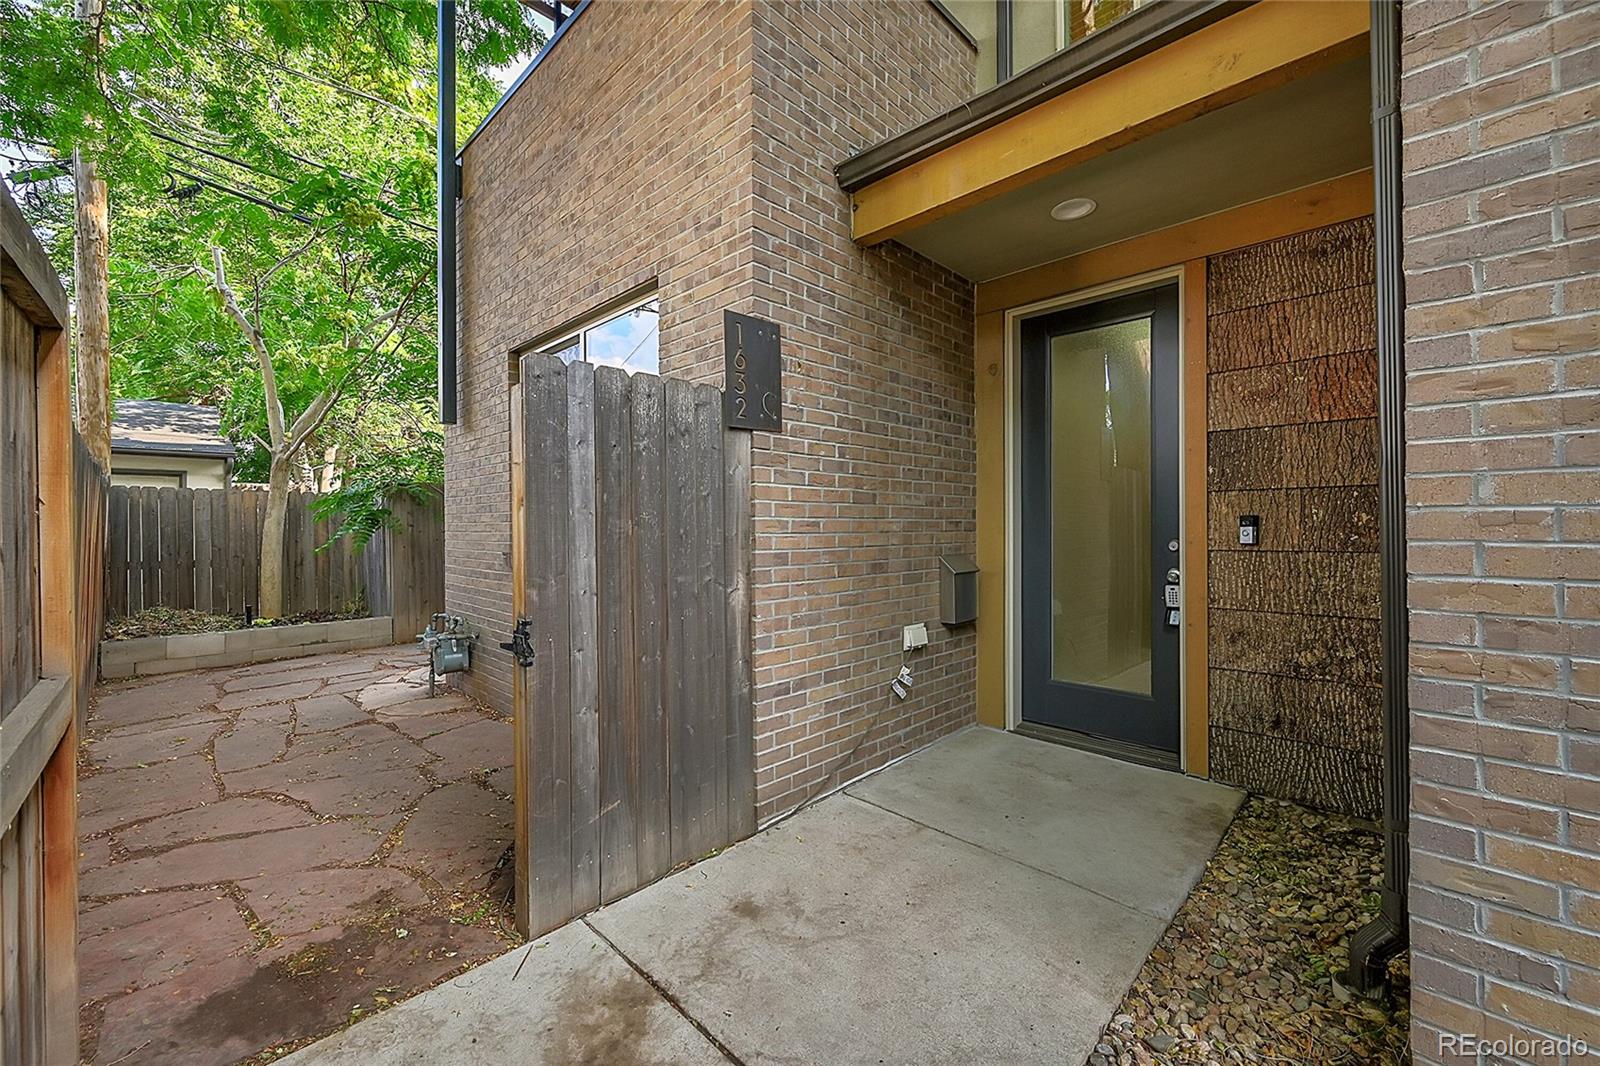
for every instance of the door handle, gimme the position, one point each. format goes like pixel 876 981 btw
pixel 1174 576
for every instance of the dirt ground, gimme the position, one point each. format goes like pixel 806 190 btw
pixel 271 852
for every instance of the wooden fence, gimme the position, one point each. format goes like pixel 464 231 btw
pixel 90 493
pixel 42 597
pixel 201 549
pixel 631 562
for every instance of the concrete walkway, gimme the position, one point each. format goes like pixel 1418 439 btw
pixel 986 901
pixel 271 851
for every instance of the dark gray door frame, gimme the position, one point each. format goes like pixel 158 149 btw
pixel 1143 728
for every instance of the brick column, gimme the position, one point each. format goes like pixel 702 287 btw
pixel 1502 198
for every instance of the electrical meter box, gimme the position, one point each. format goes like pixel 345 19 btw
pixel 958 590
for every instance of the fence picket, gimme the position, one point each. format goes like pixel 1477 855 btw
pixel 217 500
pixel 584 639
pixel 183 591
pixel 117 554
pixel 648 521
pixel 545 738
pixel 201 564
pixel 619 720
pixel 150 543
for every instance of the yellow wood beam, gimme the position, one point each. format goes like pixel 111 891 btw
pixel 1263 46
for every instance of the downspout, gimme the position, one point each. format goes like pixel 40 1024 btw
pixel 449 193
pixel 1381 939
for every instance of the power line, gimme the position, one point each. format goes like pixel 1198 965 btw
pixel 385 209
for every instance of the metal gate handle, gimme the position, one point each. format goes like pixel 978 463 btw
pixel 521 643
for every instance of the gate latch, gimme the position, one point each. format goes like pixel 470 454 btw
pixel 521 644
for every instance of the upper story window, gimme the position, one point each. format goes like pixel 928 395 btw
pixel 628 337
pixel 1013 35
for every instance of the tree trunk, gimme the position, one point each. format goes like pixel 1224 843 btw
pixel 271 589
pixel 93 310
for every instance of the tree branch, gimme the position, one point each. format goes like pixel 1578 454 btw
pixel 310 419
pixel 294 253
pixel 258 344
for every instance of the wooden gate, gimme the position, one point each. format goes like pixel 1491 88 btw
pixel 631 561
pixel 41 664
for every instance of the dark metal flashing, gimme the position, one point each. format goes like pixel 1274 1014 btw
pixel 190 451
pixel 955 23
pixel 1112 749
pixel 1004 42
pixel 555 38
pixel 1381 939
pixel 449 193
pixel 1139 33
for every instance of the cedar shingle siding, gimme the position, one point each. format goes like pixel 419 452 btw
pixel 1291 413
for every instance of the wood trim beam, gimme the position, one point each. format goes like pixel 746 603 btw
pixel 1335 200
pixel 1261 47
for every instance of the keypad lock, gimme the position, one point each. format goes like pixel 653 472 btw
pixel 1172 597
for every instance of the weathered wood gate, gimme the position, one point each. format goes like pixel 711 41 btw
pixel 42 594
pixel 631 512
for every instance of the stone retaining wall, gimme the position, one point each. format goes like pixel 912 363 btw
pixel 196 651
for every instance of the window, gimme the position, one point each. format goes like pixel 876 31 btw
pixel 629 338
pixel 1013 35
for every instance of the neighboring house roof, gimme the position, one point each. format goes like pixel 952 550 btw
pixel 153 427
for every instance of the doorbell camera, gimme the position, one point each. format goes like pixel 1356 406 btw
pixel 1249 529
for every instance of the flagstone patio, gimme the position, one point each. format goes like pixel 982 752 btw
pixel 271 851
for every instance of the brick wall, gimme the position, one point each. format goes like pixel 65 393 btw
pixel 875 474
pixel 694 144
pixel 624 158
pixel 1502 197
pixel 1292 436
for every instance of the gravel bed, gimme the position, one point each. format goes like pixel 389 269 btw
pixel 1250 969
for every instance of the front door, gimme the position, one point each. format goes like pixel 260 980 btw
pixel 1099 538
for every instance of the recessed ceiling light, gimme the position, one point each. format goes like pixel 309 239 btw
pixel 1077 207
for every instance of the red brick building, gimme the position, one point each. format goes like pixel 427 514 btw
pixel 1155 311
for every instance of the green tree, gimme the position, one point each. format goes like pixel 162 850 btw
pixel 270 172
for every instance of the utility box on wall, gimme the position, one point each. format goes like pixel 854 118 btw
pixel 958 590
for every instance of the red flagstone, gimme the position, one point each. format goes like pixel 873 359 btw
pixel 319 713
pixel 159 948
pixel 116 797
pixel 179 976
pixel 154 745
pixel 482 745
pixel 224 818
pixel 131 910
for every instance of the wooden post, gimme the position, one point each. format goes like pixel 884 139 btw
pixel 58 654
pixel 522 857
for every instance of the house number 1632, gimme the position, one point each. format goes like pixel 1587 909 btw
pixel 752 392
